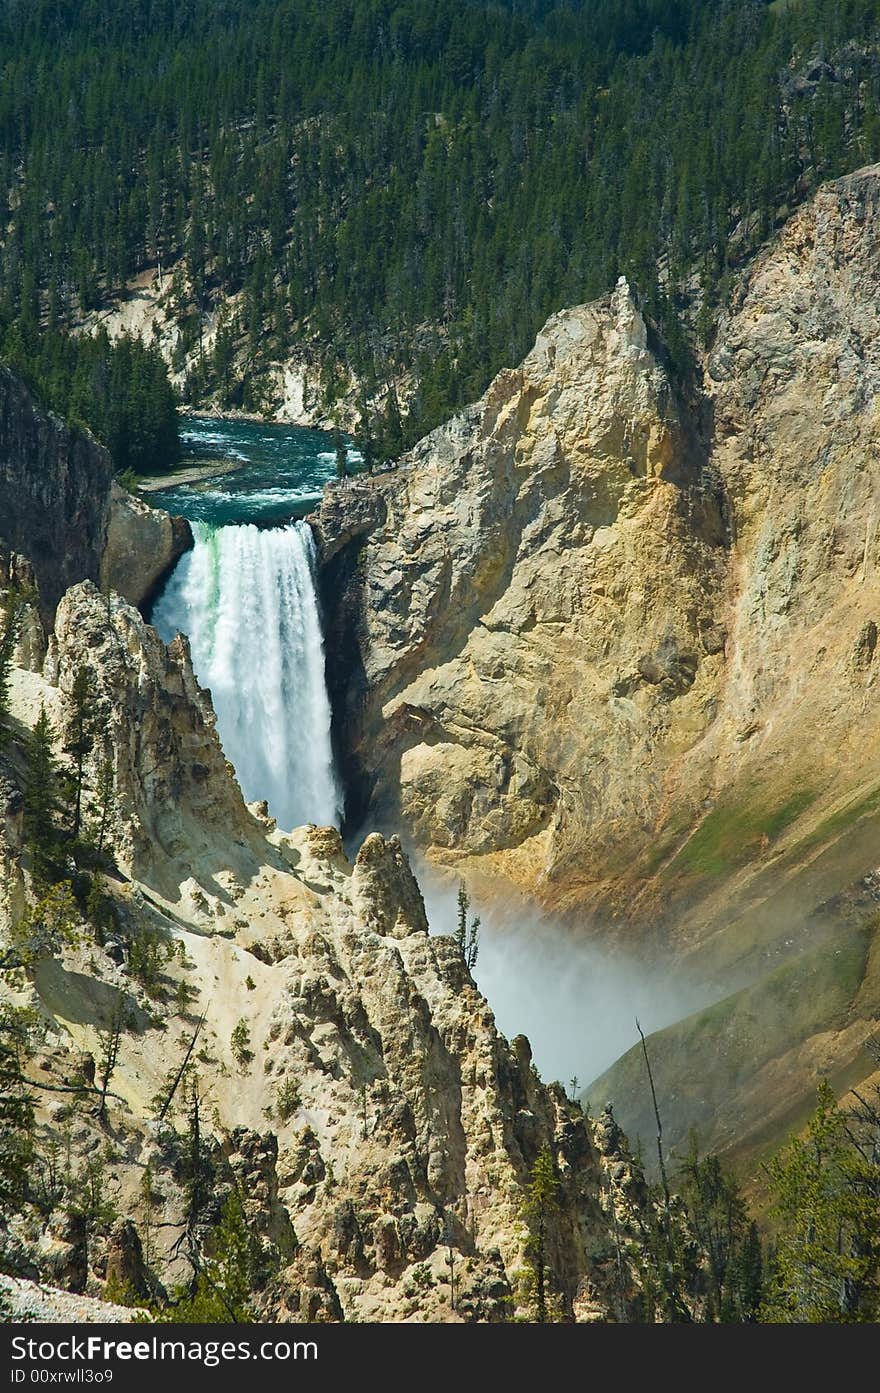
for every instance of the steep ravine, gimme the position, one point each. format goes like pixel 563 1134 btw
pixel 615 646
pixel 409 1126
pixel 352 1083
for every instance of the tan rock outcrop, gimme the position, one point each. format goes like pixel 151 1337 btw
pixel 380 1130
pixel 540 590
pixel 141 545
pixel 593 619
pixel 616 644
pixel 173 788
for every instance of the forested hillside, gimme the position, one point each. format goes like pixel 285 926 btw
pixel 120 391
pixel 415 186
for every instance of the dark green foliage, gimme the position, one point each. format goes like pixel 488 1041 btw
pixel 729 1244
pixel 120 390
pixel 99 909
pixel 110 1040
pixel 46 928
pixel 105 801
pixel 224 1284
pixel 88 1200
pixel 17 1149
pixel 240 1044
pixel 410 185
pixel 747 1279
pixel 42 801
pixel 148 953
pixel 341 454
pixel 541 1203
pixel 826 1183
pixel 287 1099
pixel 79 738
pixel 467 932
pixel 8 639
pixel 699 1256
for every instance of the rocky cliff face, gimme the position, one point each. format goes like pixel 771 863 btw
pixel 355 1087
pixel 537 593
pixel 141 546
pixel 618 647
pixel 54 485
pixel 61 510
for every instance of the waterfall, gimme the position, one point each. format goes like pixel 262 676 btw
pixel 245 596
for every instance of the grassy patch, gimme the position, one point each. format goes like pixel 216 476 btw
pixel 810 993
pixel 869 994
pixel 705 1066
pixel 667 840
pixel 830 827
pixel 732 834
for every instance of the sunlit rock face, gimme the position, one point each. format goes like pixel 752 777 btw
pixel 613 641
pixel 379 1128
pixel 593 611
pixel 539 591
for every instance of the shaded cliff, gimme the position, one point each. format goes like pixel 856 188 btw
pixel 61 509
pixel 54 486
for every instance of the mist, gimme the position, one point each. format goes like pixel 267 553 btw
pixel 576 999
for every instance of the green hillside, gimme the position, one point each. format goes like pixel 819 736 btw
pixel 407 186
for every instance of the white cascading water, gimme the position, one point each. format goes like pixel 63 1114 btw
pixel 246 598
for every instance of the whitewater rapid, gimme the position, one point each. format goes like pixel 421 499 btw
pixel 246 598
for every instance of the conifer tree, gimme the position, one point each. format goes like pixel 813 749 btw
pixel 17 1149
pixel 8 639
pixel 110 1040
pixel 467 933
pixel 105 799
pixel 79 738
pixel 221 1292
pixel 341 454
pixel 541 1203
pixel 826 1263
pixel 41 800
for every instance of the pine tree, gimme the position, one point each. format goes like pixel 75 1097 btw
pixel 747 1277
pixel 541 1203
pixel 17 1148
pixel 44 930
pixel 110 1040
pixel 467 933
pixel 105 798
pixel 79 737
pixel 8 639
pixel 461 927
pixel 90 1202
pixel 341 454
pixel 729 1245
pixel 826 1264
pixel 224 1283
pixel 41 800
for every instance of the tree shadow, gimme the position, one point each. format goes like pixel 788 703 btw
pixel 78 999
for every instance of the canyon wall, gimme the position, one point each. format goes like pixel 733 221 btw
pixel 381 1131
pixel 535 603
pixel 612 642
pixel 61 509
